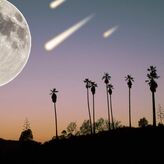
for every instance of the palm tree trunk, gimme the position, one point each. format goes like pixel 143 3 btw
pixel 93 115
pixel 111 111
pixel 129 109
pixel 154 114
pixel 89 112
pixel 56 120
pixel 108 107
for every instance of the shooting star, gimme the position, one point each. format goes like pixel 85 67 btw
pixel 110 32
pixel 64 35
pixel 56 3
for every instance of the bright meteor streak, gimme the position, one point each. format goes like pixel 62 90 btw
pixel 61 37
pixel 110 32
pixel 56 3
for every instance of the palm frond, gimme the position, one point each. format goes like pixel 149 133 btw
pixel 86 80
pixel 53 91
pixel 106 76
pixel 129 77
pixel 110 86
pixel 93 84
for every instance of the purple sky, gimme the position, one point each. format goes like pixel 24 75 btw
pixel 131 49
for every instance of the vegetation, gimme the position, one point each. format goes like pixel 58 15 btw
pixel 122 145
pixel 129 80
pixel 88 85
pixel 106 79
pixel 100 125
pixel 143 122
pixel 26 134
pixel 72 128
pixel 85 127
pixel 152 75
pixel 54 99
pixel 90 126
pixel 110 88
pixel 107 133
pixel 93 90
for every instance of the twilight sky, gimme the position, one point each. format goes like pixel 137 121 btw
pixel 131 49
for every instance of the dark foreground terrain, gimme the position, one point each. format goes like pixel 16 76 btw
pixel 129 146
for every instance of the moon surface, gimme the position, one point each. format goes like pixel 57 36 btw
pixel 15 42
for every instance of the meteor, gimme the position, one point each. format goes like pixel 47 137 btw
pixel 56 3
pixel 64 35
pixel 110 32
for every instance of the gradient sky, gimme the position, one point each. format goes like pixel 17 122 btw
pixel 131 49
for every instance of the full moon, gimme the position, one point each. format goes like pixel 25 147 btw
pixel 15 42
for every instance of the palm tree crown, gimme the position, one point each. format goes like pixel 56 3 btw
pixel 88 83
pixel 54 99
pixel 106 78
pixel 129 80
pixel 93 87
pixel 152 75
pixel 53 95
pixel 110 88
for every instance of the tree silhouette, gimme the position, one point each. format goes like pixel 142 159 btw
pixel 72 128
pixel 152 75
pixel 129 80
pixel 93 90
pixel 117 124
pixel 85 128
pixel 101 125
pixel 106 79
pixel 88 85
pixel 54 99
pixel 63 134
pixel 26 134
pixel 143 122
pixel 110 88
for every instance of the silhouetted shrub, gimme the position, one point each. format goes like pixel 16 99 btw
pixel 143 122
pixel 26 135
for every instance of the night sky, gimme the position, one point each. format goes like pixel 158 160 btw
pixel 131 49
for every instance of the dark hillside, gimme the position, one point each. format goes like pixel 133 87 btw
pixel 124 145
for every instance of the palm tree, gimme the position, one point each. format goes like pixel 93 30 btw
pixel 110 88
pixel 129 80
pixel 106 79
pixel 54 99
pixel 88 85
pixel 152 75
pixel 93 90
